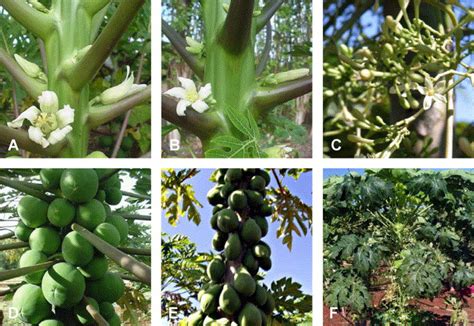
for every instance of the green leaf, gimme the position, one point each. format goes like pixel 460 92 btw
pixel 140 115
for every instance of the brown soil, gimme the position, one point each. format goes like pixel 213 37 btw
pixel 436 306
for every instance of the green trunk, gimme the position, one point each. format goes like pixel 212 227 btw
pixel 232 76
pixel 73 33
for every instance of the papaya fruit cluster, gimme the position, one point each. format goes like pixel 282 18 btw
pixel 233 295
pixel 55 296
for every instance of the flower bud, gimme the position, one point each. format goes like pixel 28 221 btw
pixel 361 140
pixel 394 26
pixel 30 68
pixel 291 75
pixel 366 75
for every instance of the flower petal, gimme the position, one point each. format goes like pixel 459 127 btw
pixel 187 84
pixel 440 86
pixel 135 89
pixel 181 107
pixel 428 83
pixel 59 134
pixel 440 98
pixel 205 91
pixel 200 106
pixel 176 92
pixel 421 90
pixel 48 102
pixel 428 101
pixel 116 93
pixel 65 116
pixel 29 114
pixel 37 136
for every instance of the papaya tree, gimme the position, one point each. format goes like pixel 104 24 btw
pixel 74 39
pixel 395 89
pixel 71 236
pixel 229 281
pixel 397 241
pixel 225 95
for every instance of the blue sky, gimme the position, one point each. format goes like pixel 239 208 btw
pixel 296 264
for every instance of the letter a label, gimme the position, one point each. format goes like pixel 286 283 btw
pixel 13 146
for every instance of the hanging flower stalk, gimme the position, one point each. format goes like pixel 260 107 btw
pixel 74 52
pixel 233 94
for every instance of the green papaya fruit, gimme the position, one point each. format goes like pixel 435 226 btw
pixel 233 247
pixel 229 300
pixel 61 212
pixel 250 232
pixel 217 208
pixel 250 263
pixel 213 222
pixel 244 282
pixel 227 221
pixel 195 319
pixel 254 199
pixel 220 175
pixel 233 175
pixel 50 178
pixel 266 210
pixel 216 270
pixel 257 183
pixel 238 200
pixel 264 174
pixel 219 240
pixel 226 190
pixel 79 185
pixel 265 263
pixel 260 296
pixel 214 196
pixel 209 300
pixel 250 316
pixel 33 212
pixel 22 232
pixel 263 224
pixel 261 250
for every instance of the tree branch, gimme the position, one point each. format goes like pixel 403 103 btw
pixel 179 45
pixel 38 23
pixel 136 217
pixel 14 273
pixel 135 195
pixel 23 141
pixel 33 87
pixel 266 50
pixel 13 245
pixel 102 114
pixel 267 13
pixel 25 187
pixel 90 64
pixel 202 125
pixel 136 251
pixel 137 268
pixel 269 97
pixel 235 34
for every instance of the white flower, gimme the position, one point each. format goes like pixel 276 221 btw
pixel 119 92
pixel 49 125
pixel 432 92
pixel 189 96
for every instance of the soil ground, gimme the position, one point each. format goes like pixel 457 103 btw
pixel 436 306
